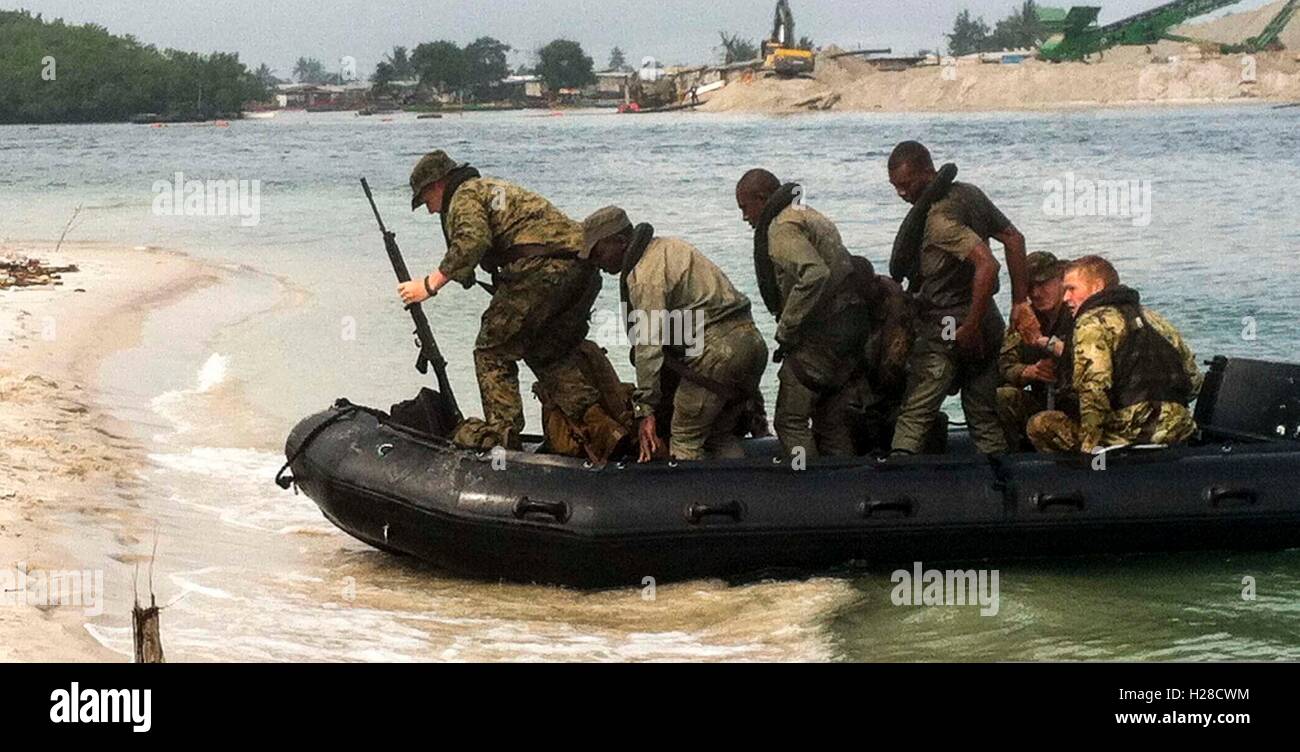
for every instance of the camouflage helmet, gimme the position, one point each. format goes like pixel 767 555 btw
pixel 1043 267
pixel 431 168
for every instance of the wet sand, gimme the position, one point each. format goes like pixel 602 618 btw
pixel 69 483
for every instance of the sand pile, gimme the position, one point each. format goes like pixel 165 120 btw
pixel 1166 73
pixel 1238 27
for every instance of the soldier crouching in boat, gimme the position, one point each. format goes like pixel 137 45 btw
pixel 1031 359
pixel 721 358
pixel 1133 373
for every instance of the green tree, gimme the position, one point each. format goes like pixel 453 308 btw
pixel 485 65
pixel 56 72
pixel 968 35
pixel 440 64
pixel 1021 29
pixel 737 50
pixel 266 76
pixel 309 70
pixel 563 65
pixel 617 60
pixel 400 63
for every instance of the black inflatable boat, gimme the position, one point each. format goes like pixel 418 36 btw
pixel 529 517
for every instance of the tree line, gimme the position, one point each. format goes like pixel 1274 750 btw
pixel 52 72
pixel 1021 30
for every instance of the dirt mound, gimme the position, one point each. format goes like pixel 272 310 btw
pixel 1238 27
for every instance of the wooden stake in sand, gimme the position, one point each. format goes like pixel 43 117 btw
pixel 145 623
pixel 147 632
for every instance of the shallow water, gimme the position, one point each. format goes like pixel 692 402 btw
pixel 308 314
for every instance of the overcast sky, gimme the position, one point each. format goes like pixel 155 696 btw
pixel 278 32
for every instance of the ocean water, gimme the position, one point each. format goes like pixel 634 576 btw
pixel 308 313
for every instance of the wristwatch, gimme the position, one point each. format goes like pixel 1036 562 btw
pixel 427 287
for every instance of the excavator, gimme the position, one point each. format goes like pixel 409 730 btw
pixel 781 52
pixel 1075 33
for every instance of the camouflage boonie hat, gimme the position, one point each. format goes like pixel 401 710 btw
pixel 431 168
pixel 1043 267
pixel 602 224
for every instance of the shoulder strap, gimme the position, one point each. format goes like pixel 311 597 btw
pixel 763 270
pixel 642 234
pixel 455 180
pixel 905 261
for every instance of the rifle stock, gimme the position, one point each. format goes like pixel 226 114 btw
pixel 430 355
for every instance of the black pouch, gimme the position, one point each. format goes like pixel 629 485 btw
pixel 426 414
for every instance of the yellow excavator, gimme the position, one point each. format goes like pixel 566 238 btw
pixel 781 52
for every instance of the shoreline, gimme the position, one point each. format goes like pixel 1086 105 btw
pixel 1158 77
pixel 70 471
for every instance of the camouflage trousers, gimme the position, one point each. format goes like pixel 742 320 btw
pixel 539 314
pixel 812 403
pixel 1144 423
pixel 704 422
pixel 1015 407
pixel 933 370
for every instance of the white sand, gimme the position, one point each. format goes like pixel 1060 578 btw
pixel 68 473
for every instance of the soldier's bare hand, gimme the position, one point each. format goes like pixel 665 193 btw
pixel 412 292
pixel 1044 370
pixel 651 445
pixel 1026 323
pixel 969 339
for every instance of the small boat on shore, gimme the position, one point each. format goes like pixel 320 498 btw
pixel 529 517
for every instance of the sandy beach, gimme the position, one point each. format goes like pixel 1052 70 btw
pixel 68 470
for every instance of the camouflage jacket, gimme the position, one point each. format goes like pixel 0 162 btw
pixel 1097 337
pixel 488 216
pixel 1017 355
pixel 811 265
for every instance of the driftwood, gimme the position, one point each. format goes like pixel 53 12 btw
pixel 32 273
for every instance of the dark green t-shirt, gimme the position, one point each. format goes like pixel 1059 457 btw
pixel 954 227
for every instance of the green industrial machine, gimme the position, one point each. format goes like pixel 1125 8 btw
pixel 1075 34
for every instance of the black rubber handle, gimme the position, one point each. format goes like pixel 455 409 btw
pixel 1045 501
pixel 696 512
pixel 555 509
pixel 1217 495
pixel 903 506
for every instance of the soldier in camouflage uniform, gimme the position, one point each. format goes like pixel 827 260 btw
pixel 1033 379
pixel 1133 373
pixel 960 327
pixel 721 356
pixel 543 296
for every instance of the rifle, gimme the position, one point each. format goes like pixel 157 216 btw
pixel 429 353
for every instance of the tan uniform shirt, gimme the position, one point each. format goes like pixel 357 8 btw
pixel 811 265
pixel 675 283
